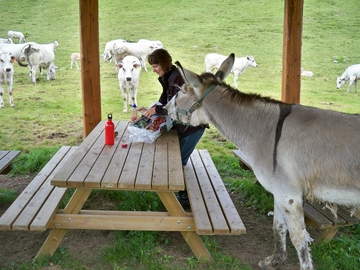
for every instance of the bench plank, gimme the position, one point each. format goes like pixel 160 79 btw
pixel 198 208
pixel 231 214
pixel 6 160
pixel 212 207
pixel 24 209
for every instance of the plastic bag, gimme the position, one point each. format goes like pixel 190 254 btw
pixel 149 129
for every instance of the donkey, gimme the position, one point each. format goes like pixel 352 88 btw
pixel 296 152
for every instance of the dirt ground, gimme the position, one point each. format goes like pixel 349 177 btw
pixel 21 247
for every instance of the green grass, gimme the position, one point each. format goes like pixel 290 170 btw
pixel 49 114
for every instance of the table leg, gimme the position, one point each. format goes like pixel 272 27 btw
pixel 55 237
pixel 192 238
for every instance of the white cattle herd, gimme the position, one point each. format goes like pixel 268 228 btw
pixel 128 57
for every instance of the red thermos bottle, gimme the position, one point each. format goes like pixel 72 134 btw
pixel 109 131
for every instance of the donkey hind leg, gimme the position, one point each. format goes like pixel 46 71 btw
pixel 280 231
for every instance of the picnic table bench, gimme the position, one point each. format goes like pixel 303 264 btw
pixel 6 160
pixel 142 167
pixel 316 214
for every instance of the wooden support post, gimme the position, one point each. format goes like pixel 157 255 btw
pixel 291 78
pixel 90 64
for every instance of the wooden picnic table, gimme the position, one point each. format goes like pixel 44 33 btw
pixel 154 167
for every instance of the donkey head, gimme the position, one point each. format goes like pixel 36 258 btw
pixel 185 106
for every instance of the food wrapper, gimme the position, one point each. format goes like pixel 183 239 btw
pixel 149 129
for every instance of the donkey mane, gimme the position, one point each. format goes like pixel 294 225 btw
pixel 247 98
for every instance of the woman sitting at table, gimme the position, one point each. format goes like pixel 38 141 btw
pixel 170 80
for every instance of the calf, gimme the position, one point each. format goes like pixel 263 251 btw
pixel 6 76
pixel 74 58
pixel 351 74
pixel 40 56
pixel 6 41
pixel 16 34
pixel 129 76
pixel 139 50
pixel 214 60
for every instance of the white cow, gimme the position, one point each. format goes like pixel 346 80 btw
pixel 139 50
pixel 129 77
pixel 16 34
pixel 6 41
pixel 214 60
pixel 108 51
pixel 15 50
pixel 156 43
pixel 74 57
pixel 6 76
pixel 40 56
pixel 351 74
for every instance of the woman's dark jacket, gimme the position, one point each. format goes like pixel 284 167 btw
pixel 171 81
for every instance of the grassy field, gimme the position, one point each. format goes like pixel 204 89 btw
pixel 49 114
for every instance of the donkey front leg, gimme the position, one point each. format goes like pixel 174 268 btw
pixel 280 231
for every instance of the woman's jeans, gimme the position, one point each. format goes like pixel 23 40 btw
pixel 188 144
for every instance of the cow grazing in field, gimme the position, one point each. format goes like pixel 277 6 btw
pixel 16 34
pixel 108 51
pixel 214 60
pixel 351 74
pixel 296 152
pixel 6 41
pixel 6 76
pixel 139 50
pixel 74 57
pixel 129 76
pixel 40 56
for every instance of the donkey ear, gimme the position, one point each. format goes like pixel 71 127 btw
pixel 190 78
pixel 225 68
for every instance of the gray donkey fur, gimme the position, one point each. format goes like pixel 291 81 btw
pixel 296 152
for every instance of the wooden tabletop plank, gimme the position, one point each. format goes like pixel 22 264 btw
pixel 93 152
pixel 145 172
pixel 112 175
pixel 176 173
pixel 96 174
pixel 130 169
pixel 160 179
pixel 60 178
